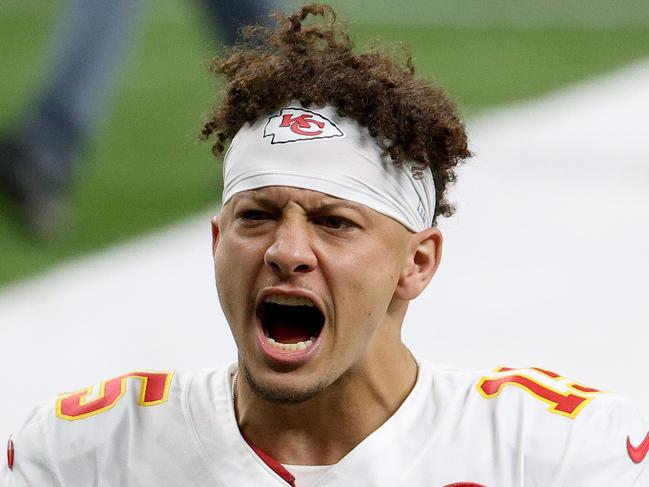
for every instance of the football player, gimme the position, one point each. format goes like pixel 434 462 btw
pixel 335 173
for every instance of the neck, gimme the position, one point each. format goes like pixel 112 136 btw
pixel 323 429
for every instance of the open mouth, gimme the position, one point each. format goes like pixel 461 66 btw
pixel 290 323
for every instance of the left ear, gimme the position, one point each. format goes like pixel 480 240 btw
pixel 423 259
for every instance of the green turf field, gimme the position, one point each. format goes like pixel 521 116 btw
pixel 147 168
pixel 602 13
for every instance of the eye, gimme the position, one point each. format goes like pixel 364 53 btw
pixel 253 215
pixel 334 222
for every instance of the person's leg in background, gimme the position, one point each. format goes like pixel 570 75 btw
pixel 36 161
pixel 231 15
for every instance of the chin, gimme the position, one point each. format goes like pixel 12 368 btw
pixel 281 392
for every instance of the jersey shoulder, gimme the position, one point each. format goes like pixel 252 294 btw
pixel 78 433
pixel 531 391
pixel 579 431
pixel 544 427
pixel 548 394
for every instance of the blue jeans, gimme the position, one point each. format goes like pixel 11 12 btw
pixel 92 42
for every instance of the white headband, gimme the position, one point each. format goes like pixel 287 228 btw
pixel 319 150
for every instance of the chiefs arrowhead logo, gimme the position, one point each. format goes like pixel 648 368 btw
pixel 638 453
pixel 295 124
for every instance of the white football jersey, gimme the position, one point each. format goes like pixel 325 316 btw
pixel 504 428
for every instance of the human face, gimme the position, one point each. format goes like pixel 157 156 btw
pixel 294 246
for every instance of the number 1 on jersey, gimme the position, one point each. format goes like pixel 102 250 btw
pixel 542 384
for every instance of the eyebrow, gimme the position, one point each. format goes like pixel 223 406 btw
pixel 320 208
pixel 339 204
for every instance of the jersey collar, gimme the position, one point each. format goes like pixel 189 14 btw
pixel 380 456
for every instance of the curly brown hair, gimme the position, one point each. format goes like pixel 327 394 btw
pixel 313 61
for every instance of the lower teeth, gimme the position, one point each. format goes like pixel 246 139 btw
pixel 291 347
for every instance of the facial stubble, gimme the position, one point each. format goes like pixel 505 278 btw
pixel 277 395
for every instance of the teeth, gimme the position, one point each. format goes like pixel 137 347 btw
pixel 289 300
pixel 291 347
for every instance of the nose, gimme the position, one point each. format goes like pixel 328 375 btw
pixel 291 251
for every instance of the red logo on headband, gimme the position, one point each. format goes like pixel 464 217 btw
pixel 300 125
pixel 295 124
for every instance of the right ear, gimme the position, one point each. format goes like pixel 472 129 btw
pixel 215 233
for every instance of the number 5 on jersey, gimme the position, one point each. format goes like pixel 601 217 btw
pixel 154 389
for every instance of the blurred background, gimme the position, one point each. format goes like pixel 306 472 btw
pixel 546 262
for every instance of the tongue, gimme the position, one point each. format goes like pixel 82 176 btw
pixel 288 333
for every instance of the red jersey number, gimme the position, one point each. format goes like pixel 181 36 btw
pixel 154 389
pixel 564 397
